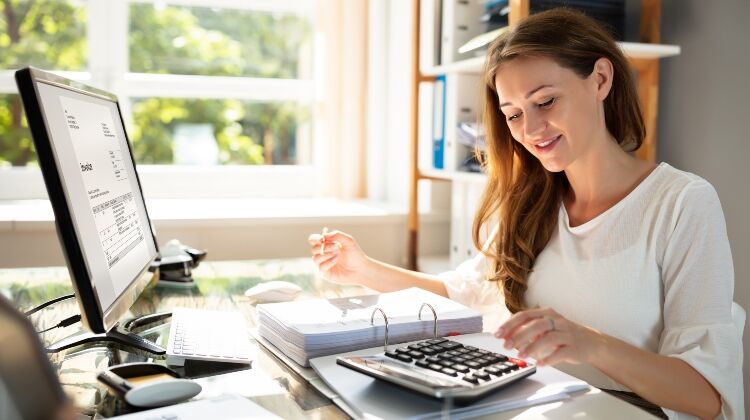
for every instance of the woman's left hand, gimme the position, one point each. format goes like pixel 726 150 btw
pixel 548 337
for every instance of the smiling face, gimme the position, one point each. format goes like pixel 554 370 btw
pixel 554 113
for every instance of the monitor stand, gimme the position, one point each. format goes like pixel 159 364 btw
pixel 118 334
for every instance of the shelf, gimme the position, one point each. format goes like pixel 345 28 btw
pixel 632 50
pixel 442 174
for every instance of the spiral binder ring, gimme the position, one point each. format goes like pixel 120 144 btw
pixel 385 318
pixel 434 317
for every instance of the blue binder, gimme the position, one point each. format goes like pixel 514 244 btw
pixel 438 124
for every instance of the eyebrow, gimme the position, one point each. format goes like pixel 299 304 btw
pixel 531 92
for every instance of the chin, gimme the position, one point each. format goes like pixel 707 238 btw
pixel 552 166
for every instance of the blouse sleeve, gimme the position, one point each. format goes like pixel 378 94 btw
pixel 468 283
pixel 698 281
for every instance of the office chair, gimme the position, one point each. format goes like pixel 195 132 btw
pixel 738 318
pixel 29 388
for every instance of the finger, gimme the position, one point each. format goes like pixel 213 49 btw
pixel 329 264
pixel 520 318
pixel 560 355
pixel 527 333
pixel 543 345
pixel 314 239
pixel 321 259
pixel 332 249
pixel 341 237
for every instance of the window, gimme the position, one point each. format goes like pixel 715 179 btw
pixel 202 83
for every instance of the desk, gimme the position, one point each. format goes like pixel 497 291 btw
pixel 220 285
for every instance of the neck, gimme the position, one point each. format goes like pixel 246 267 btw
pixel 603 174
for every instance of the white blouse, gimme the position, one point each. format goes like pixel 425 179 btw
pixel 655 270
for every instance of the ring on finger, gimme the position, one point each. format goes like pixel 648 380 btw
pixel 551 323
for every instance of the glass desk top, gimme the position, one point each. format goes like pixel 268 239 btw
pixel 218 285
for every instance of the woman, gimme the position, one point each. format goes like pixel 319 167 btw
pixel 616 270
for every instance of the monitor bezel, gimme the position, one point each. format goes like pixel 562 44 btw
pixel 94 317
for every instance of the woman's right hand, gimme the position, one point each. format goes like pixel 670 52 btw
pixel 342 260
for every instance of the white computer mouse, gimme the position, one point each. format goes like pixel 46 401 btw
pixel 159 394
pixel 273 291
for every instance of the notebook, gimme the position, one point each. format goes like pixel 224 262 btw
pixel 319 327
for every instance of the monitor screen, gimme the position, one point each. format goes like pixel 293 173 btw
pixel 95 192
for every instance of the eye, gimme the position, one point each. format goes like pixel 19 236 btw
pixel 514 117
pixel 548 103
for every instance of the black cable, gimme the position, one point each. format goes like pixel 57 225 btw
pixel 48 303
pixel 64 323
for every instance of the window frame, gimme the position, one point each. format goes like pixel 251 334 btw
pixel 108 68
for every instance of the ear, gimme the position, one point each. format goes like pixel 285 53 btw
pixel 602 77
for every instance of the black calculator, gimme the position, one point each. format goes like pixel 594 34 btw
pixel 442 368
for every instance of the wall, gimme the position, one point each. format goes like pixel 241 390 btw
pixel 704 114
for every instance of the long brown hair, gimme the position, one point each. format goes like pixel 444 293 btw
pixel 521 196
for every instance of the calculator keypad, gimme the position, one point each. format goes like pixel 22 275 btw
pixel 451 358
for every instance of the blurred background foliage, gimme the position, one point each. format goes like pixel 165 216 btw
pixel 51 34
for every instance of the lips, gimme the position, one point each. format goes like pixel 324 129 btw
pixel 547 144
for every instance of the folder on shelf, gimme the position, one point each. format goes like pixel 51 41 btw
pixel 438 123
pixel 318 327
pixel 365 397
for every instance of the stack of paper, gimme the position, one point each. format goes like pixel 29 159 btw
pixel 311 328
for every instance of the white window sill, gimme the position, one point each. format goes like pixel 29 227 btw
pixel 34 214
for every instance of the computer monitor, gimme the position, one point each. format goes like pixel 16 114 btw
pixel 100 215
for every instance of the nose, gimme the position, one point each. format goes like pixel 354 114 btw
pixel 533 124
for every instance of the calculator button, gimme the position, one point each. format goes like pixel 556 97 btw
pixel 416 346
pixel 437 341
pixel 483 362
pixel 403 350
pixel 460 368
pixel 447 363
pixel 448 371
pixel 482 375
pixel 435 366
pixel 518 362
pixel 472 364
pixel 416 354
pixel 392 354
pixel 451 345
pixel 494 370
pixel 422 364
pixel 471 378
pixel 403 358
pixel 433 359
pixel 429 350
pixel 502 357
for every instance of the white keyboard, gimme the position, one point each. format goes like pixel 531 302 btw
pixel 200 334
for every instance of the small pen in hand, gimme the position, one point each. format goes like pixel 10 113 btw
pixel 323 241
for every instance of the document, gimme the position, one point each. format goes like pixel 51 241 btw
pixel 318 327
